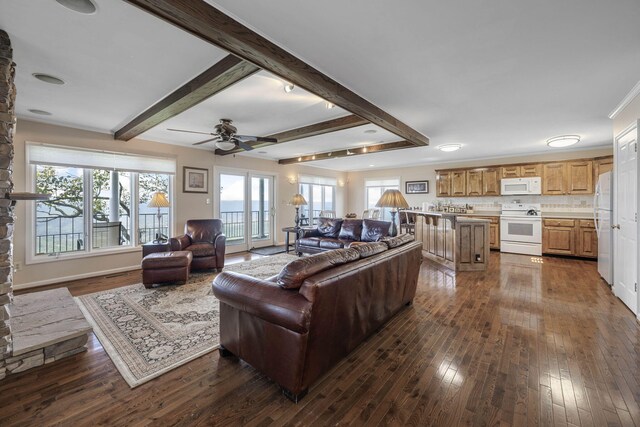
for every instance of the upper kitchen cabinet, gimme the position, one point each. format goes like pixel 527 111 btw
pixel 521 171
pixel 458 183
pixel 600 166
pixel 443 184
pixel 474 182
pixel 491 182
pixel 580 177
pixel 554 178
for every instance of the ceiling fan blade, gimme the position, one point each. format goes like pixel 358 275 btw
pixel 256 138
pixel 205 141
pixel 192 131
pixel 244 145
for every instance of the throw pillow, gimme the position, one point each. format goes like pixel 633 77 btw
pixel 329 227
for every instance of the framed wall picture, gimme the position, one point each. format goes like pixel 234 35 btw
pixel 416 187
pixel 195 180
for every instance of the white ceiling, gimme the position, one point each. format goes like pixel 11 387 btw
pixel 498 77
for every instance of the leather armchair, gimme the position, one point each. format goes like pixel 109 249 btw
pixel 204 239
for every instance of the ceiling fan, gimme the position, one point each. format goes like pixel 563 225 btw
pixel 226 138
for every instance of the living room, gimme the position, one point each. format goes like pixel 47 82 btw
pixel 102 105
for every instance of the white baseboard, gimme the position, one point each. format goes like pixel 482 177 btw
pixel 75 277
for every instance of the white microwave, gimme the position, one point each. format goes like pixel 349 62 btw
pixel 520 186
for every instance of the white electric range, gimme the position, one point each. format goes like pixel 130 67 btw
pixel 521 228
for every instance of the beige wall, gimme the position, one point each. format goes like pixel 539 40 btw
pixel 356 180
pixel 186 205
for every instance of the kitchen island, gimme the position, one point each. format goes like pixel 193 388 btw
pixel 452 240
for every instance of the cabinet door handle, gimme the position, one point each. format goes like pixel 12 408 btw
pixel 616 226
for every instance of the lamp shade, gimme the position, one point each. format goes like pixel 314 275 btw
pixel 298 200
pixel 392 199
pixel 158 200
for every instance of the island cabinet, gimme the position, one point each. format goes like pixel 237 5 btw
pixel 494 230
pixel 458 243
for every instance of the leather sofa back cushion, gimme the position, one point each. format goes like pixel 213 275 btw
pixel 294 273
pixel 373 231
pixel 330 227
pixel 369 249
pixel 394 242
pixel 351 229
pixel 203 230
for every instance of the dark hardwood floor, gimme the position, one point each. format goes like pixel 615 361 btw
pixel 526 343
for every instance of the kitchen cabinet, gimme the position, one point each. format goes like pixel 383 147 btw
pixel 443 184
pixel 474 183
pixel 491 182
pixel 600 166
pixel 580 177
pixel 559 236
pixel 494 229
pixel 459 183
pixel 521 171
pixel 554 178
pixel 587 240
pixel 528 171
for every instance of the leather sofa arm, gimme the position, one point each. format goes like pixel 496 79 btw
pixel 179 243
pixel 309 233
pixel 286 308
pixel 220 241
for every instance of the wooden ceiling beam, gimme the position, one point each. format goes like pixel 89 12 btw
pixel 210 24
pixel 377 148
pixel 333 125
pixel 220 76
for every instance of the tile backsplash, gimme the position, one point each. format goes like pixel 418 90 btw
pixel 548 202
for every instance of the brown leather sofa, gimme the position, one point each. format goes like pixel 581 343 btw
pixel 298 325
pixel 204 239
pixel 337 233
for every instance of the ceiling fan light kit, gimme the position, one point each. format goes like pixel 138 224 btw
pixel 225 137
pixel 225 145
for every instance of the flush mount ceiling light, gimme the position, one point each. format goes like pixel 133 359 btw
pixel 563 141
pixel 40 112
pixel 48 78
pixel 449 147
pixel 288 87
pixel 86 7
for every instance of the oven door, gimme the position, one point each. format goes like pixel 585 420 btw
pixel 521 229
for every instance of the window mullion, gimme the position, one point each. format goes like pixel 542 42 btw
pixel 87 196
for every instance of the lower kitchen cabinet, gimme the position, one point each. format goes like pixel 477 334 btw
pixel 494 230
pixel 573 237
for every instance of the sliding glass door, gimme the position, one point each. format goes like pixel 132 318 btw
pixel 246 208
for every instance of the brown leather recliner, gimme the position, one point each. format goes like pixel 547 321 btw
pixel 204 239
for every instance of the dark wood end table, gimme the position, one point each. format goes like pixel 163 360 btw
pixel 293 230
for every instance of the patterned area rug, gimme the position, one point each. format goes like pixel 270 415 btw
pixel 147 332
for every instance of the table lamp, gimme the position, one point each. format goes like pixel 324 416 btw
pixel 159 200
pixel 392 199
pixel 298 200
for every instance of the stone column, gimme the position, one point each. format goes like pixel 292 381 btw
pixel 7 126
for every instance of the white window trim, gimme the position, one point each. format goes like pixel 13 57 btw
pixel 89 252
pixel 373 180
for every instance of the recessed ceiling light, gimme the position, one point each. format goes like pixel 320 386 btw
pixel 370 131
pixel 86 7
pixel 288 87
pixel 563 141
pixel 41 112
pixel 371 166
pixel 47 78
pixel 329 105
pixel 262 152
pixel 449 147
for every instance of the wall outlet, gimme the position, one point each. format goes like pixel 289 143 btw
pixel 208 201
pixel 17 266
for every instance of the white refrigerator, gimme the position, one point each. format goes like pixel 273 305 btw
pixel 602 214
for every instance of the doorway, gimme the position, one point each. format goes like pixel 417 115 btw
pixel 245 204
pixel 625 273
